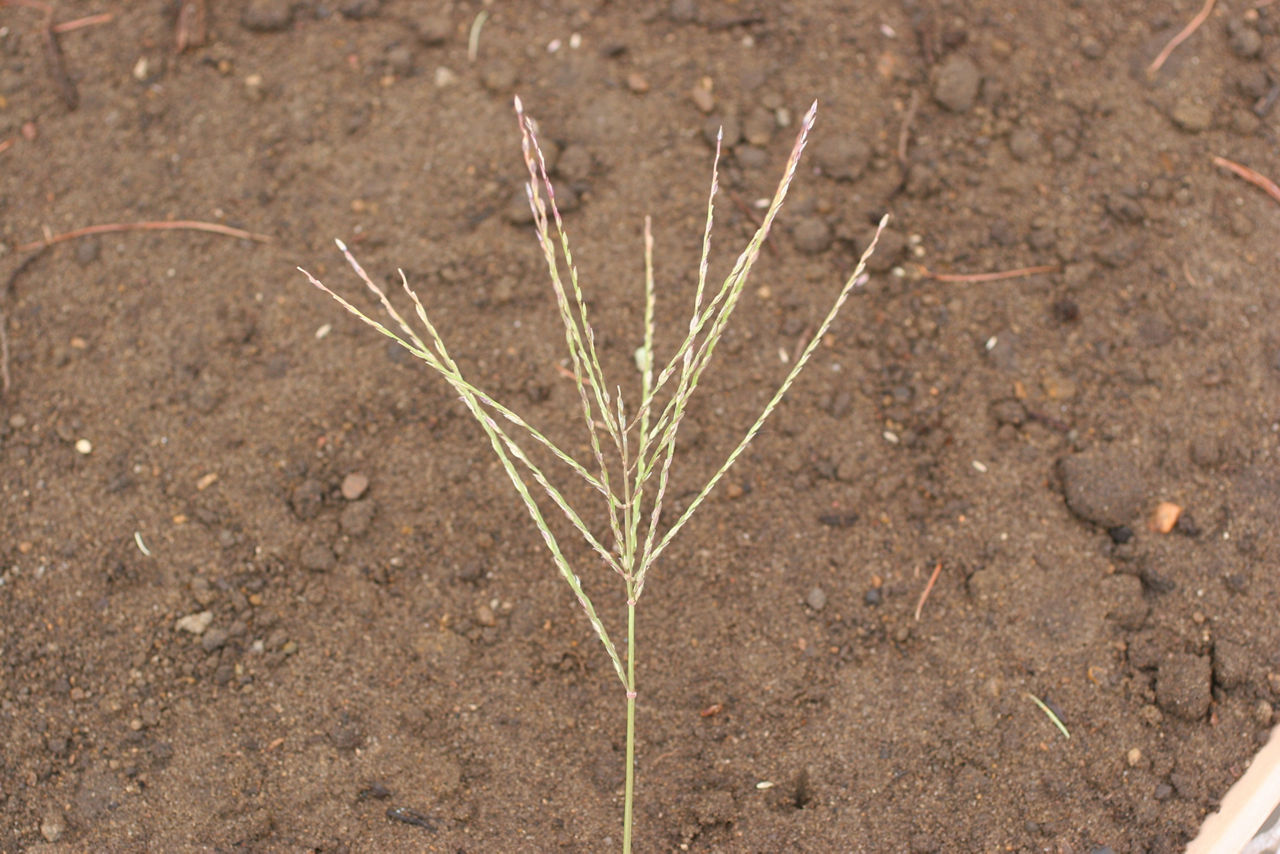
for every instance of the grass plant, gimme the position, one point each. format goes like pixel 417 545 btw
pixel 632 447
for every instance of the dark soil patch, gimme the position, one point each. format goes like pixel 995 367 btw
pixel 291 666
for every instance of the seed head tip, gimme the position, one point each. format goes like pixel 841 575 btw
pixel 342 247
pixel 811 114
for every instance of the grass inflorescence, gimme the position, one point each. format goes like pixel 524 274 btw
pixel 632 447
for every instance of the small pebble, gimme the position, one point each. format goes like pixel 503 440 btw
pixel 637 83
pixel 957 82
pixel 812 235
pixel 1206 450
pixel 1233 663
pixel 575 163
pixel 52 826
pixel 87 251
pixel 84 446
pixel 1165 517
pixel 1246 43
pixel 194 623
pixel 267 16
pixel 1253 82
pixel 1124 601
pixel 214 639
pixel 727 128
pixel 1120 534
pixel 1125 210
pixel 359 9
pixel 356 518
pixel 750 157
pixel 888 253
pixel 758 126
pixel 816 598
pixel 1183 686
pixel 499 77
pixel 307 498
pixel 873 597
pixel 1024 144
pixel 347 734
pixel 434 30
pixel 1191 115
pixel 485 616
pixel 1063 146
pixel 354 486
pixel 1102 486
pixel 400 60
pixel 702 98
pixel 683 11
pixel 317 557
pixel 841 156
pixel 253 86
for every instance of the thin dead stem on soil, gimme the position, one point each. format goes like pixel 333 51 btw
pixel 990 277
pixel 174 225
pixel 928 588
pixel 81 23
pixel 1190 28
pixel 38 248
pixel 1256 178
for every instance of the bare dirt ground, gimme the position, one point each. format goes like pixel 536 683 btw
pixel 208 644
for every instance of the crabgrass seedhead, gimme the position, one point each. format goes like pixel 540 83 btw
pixel 632 447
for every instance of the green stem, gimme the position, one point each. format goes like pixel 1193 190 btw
pixel 629 792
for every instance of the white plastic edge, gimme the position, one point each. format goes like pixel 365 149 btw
pixel 1245 807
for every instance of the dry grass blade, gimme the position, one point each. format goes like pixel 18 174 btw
pixel 1186 32
pixel 928 588
pixel 989 277
pixel 1253 177
pixel 175 225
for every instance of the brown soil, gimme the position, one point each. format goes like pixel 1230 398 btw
pixel 405 671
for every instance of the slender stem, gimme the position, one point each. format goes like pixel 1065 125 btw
pixel 629 793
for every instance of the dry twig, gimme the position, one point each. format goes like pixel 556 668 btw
pixel 989 277
pixel 928 588
pixel 39 247
pixel 1256 178
pixel 1190 28
pixel 81 23
pixel 175 225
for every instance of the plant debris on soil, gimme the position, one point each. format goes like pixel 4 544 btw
pixel 262 588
